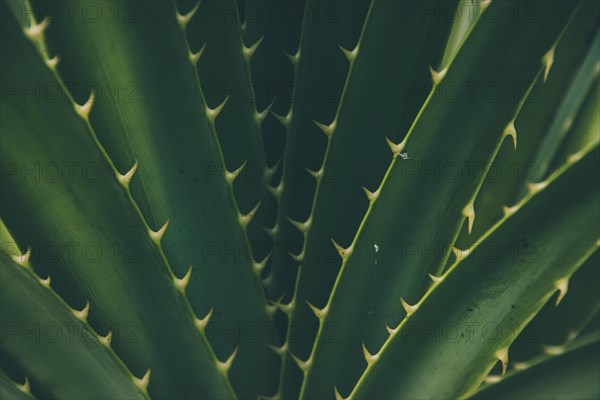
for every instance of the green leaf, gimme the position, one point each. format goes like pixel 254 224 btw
pixel 445 349
pixel 70 206
pixel 418 211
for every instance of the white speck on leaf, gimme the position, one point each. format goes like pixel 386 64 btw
pixel 376 248
pixel 404 156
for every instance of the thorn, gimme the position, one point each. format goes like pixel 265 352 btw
pixel 350 54
pixel 396 148
pixel 294 59
pixel 280 351
pixel 230 177
pixel 244 219
pixel 469 213
pixel 249 51
pixel 271 171
pixel 303 227
pixel 303 365
pixel 502 356
pixel 52 62
pixel 436 279
pixel 201 323
pixel 35 32
pixel 563 286
pixel 554 350
pixel 285 120
pixel 510 130
pixel 320 313
pixel 271 310
pixel 195 57
pixel 260 266
pixel 184 20
pixel 372 196
pixel 272 231
pixel 460 254
pixel 327 129
pixel 392 331
pixel 225 366
pixel 492 379
pixel 182 283
pixel 83 314
pixel 126 179
pixel 370 358
pixel 45 282
pixel 158 235
pixel 213 113
pixel 259 116
pixel 337 394
pixel 315 174
pixel 536 187
pixel 508 211
pixel 84 109
pixel 520 366
pixel 436 76
pixel 276 191
pixel 142 384
pixel 285 308
pixel 299 258
pixel 105 340
pixel 23 259
pixel 547 62
pixel 25 387
pixel 343 252
pixel 408 308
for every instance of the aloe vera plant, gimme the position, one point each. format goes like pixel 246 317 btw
pixel 300 200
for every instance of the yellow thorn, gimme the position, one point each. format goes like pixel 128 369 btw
pixel 285 308
pixel 460 254
pixel 436 279
pixel 502 356
pixel 563 286
pixel 303 365
pixel 469 213
pixel 343 252
pixel 285 120
pixel 52 62
pixel 45 282
pixel 244 219
pixel 547 62
pixel 105 340
pixel 372 196
pixel 260 266
pixel 272 231
pixel 25 387
pixel 35 32
pixel 436 76
pixel 520 366
pixel 280 351
pixel 396 148
pixel 195 57
pixel 23 259
pixel 536 187
pixel 492 379
pixel 184 20
pixel 126 179
pixel 158 235
pixel 508 211
pixel 142 384
pixel 337 394
pixel 249 51
pixel 326 129
pixel 225 366
pixel 84 109
pixel 554 350
pixel 303 227
pixel 213 113
pixel 408 308
pixel 320 313
pixel 276 191
pixel 83 314
pixel 350 54
pixel 511 131
pixel 259 116
pixel 202 322
pixel 294 59
pixel 230 177
pixel 392 331
pixel 182 283
pixel 299 258
pixel 369 358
